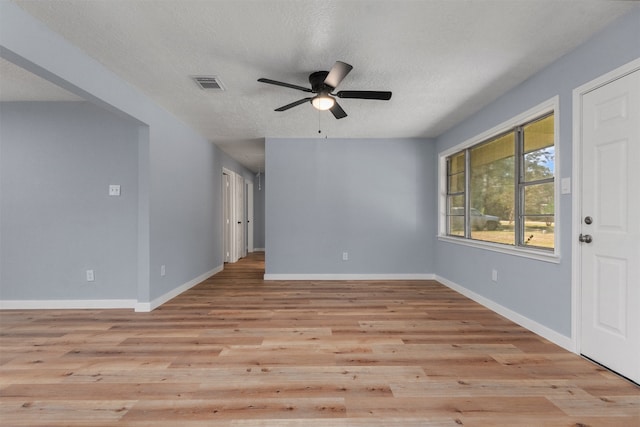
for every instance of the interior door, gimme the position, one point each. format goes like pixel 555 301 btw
pixel 250 216
pixel 226 212
pixel 241 249
pixel 610 228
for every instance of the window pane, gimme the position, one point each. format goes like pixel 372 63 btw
pixel 538 134
pixel 492 190
pixel 490 229
pixel 492 151
pixel 539 164
pixel 539 218
pixel 456 163
pixel 456 183
pixel 539 231
pixel 539 199
pixel 456 205
pixel 456 226
pixel 455 217
pixel 539 151
pixel 505 235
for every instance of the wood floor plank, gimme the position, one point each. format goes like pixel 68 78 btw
pixel 308 422
pixel 490 387
pixel 42 412
pixel 220 409
pixel 451 406
pixel 238 351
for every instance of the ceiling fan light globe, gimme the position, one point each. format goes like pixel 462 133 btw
pixel 323 103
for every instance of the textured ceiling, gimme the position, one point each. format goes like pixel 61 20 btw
pixel 443 59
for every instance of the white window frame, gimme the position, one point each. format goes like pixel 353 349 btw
pixel 546 107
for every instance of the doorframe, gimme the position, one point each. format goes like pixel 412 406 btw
pixel 576 190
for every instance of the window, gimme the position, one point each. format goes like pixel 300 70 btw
pixel 455 194
pixel 501 188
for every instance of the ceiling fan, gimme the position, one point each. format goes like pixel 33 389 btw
pixel 323 83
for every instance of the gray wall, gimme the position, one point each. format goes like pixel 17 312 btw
pixel 179 211
pixel 538 290
pixel 57 219
pixel 372 198
pixel 259 212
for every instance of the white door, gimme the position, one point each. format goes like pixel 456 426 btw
pixel 610 225
pixel 250 217
pixel 241 248
pixel 226 216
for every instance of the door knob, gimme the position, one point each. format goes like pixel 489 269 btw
pixel 585 238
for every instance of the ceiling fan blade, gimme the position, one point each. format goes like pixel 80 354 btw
pixel 289 85
pixel 337 111
pixel 293 104
pixel 338 72
pixel 364 94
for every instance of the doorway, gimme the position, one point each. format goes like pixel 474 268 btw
pixel 234 223
pixel 249 216
pixel 226 216
pixel 606 266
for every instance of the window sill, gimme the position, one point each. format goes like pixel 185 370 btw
pixel 539 255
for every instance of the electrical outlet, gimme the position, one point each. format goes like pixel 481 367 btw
pixel 345 256
pixel 114 190
pixel 163 270
pixel 90 276
pixel 494 275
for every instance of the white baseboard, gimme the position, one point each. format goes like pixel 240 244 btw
pixel 66 304
pixel 545 332
pixel 535 327
pixel 150 306
pixel 349 277
pixel 105 303
pixel 258 249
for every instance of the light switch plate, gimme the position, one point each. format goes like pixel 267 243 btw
pixel 565 186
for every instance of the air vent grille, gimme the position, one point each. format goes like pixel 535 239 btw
pixel 208 82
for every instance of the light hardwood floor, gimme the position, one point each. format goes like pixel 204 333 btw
pixel 238 351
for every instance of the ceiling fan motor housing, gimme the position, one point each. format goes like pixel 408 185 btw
pixel 317 82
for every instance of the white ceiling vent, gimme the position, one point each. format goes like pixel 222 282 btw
pixel 208 82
